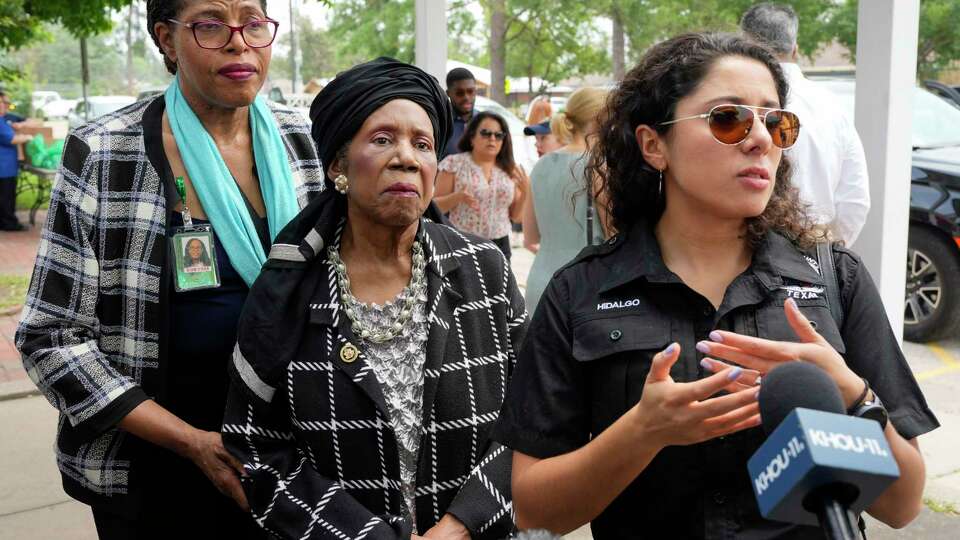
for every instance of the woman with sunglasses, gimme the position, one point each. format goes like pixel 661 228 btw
pixel 620 376
pixel 130 349
pixel 482 188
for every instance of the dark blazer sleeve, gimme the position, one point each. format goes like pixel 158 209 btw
pixel 484 502
pixel 873 351
pixel 287 496
pixel 59 330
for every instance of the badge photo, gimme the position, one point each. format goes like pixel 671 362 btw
pixel 195 260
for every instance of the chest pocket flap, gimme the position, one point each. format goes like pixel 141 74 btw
pixel 605 336
pixel 772 323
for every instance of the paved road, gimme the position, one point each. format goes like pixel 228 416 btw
pixel 33 505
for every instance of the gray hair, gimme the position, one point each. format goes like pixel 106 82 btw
pixel 774 25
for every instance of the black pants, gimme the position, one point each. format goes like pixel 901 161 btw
pixel 504 244
pixel 181 504
pixel 8 203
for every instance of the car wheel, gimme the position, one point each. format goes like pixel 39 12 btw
pixel 932 307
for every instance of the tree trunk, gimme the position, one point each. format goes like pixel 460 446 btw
pixel 498 53
pixel 131 20
pixel 619 69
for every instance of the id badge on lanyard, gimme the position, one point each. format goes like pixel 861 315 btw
pixel 193 252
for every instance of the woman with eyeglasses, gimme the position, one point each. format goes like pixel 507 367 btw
pixel 130 347
pixel 643 361
pixel 482 188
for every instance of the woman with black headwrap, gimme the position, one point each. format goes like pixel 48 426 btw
pixel 376 346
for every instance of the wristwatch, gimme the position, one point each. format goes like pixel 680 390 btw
pixel 872 409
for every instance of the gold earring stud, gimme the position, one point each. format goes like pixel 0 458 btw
pixel 342 184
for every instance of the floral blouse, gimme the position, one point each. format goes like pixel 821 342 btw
pixel 492 219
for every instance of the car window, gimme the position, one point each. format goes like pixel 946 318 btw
pixel 935 122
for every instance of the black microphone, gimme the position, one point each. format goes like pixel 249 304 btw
pixel 818 465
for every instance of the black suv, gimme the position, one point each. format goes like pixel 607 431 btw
pixel 932 309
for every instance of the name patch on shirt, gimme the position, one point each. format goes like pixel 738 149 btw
pixel 618 304
pixel 802 293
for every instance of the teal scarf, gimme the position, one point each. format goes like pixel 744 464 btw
pixel 218 191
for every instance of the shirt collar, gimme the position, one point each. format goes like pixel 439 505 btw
pixel 792 72
pixel 638 257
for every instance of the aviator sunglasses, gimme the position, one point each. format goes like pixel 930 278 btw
pixel 730 124
pixel 486 134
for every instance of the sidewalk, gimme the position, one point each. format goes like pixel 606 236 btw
pixel 33 505
pixel 18 251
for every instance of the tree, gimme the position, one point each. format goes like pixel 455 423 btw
pixel 317 52
pixel 553 40
pixel 21 20
pixel 649 21
pixel 498 51
pixel 366 29
pixel 938 45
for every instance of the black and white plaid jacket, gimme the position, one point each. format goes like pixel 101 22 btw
pixel 94 329
pixel 311 426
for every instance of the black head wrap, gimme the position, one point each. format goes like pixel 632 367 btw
pixel 341 108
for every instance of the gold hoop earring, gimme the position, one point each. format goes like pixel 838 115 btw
pixel 342 184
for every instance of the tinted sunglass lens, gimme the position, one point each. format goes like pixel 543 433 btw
pixel 784 128
pixel 731 124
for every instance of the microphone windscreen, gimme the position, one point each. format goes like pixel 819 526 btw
pixel 796 384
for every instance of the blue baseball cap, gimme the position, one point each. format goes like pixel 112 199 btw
pixel 538 129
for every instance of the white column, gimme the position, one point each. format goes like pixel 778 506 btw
pixel 431 38
pixel 887 33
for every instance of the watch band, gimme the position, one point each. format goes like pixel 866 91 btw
pixel 863 396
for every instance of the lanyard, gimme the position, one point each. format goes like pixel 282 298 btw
pixel 182 191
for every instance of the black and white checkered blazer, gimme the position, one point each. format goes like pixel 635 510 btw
pixel 92 334
pixel 312 429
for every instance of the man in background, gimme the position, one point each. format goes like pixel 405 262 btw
pixel 830 169
pixel 9 166
pixel 462 91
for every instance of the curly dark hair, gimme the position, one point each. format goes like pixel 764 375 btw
pixel 648 95
pixel 162 11
pixel 505 157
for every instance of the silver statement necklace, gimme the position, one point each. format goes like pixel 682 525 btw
pixel 408 297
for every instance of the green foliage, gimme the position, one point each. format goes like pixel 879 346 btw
pixel 21 21
pixel 365 29
pixel 939 41
pixel 553 40
pixel 649 21
pixel 55 64
pixel 316 53
pixel 18 85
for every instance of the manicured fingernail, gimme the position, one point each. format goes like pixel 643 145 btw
pixel 735 373
pixel 705 364
pixel 670 349
pixel 715 336
pixel 756 394
pixel 703 347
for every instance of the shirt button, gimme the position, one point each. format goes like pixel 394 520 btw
pixel 719 498
pixel 615 335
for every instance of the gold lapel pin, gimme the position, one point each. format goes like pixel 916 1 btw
pixel 349 353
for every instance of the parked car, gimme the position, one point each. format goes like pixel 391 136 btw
pixel 98 106
pixel 57 110
pixel 40 98
pixel 932 309
pixel 149 93
pixel 522 153
pixel 949 93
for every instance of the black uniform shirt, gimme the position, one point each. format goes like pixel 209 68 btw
pixel 606 314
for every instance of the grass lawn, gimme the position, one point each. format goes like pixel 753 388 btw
pixel 13 290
